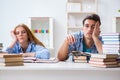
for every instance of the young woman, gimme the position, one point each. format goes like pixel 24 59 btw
pixel 87 40
pixel 25 43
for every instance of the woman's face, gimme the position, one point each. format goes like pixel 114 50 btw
pixel 21 35
pixel 88 28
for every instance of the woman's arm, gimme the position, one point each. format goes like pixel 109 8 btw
pixel 11 47
pixel 28 54
pixel 14 40
pixel 41 53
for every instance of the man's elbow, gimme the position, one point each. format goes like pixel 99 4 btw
pixel 61 57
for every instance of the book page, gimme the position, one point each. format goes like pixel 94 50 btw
pixel 51 60
pixel 29 59
pixel 34 60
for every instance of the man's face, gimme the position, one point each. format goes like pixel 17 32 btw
pixel 88 28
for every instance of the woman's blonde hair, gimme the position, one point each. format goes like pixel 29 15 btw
pixel 31 37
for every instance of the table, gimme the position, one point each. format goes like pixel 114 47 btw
pixel 58 71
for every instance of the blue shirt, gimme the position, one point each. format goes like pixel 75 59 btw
pixel 85 49
pixel 80 46
pixel 40 51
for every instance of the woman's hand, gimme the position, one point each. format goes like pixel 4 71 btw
pixel 96 31
pixel 28 54
pixel 13 36
pixel 70 39
pixel 14 39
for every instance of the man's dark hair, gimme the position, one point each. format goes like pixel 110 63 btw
pixel 94 17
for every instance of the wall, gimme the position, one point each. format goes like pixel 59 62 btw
pixel 13 12
pixel 108 9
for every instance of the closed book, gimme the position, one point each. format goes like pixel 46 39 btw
pixel 102 59
pixel 111 34
pixel 12 64
pixel 6 55
pixel 104 55
pixel 112 42
pixel 119 64
pixel 104 66
pixel 11 59
pixel 80 61
pixel 1 47
pixel 112 51
pixel 110 38
pixel 106 48
pixel 80 57
pixel 111 46
pixel 105 63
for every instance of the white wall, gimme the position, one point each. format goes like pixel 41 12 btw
pixel 108 9
pixel 13 12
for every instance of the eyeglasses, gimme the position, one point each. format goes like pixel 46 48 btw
pixel 22 32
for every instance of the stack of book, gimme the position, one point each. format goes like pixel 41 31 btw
pixel 111 43
pixel 104 60
pixel 1 46
pixel 11 59
pixel 80 57
pixel 118 61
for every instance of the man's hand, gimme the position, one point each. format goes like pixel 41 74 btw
pixel 96 31
pixel 70 39
pixel 96 40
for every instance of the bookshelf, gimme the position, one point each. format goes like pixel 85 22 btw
pixel 77 10
pixel 116 24
pixel 42 28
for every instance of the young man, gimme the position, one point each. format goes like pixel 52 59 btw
pixel 87 40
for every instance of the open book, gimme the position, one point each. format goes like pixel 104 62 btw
pixel 34 60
